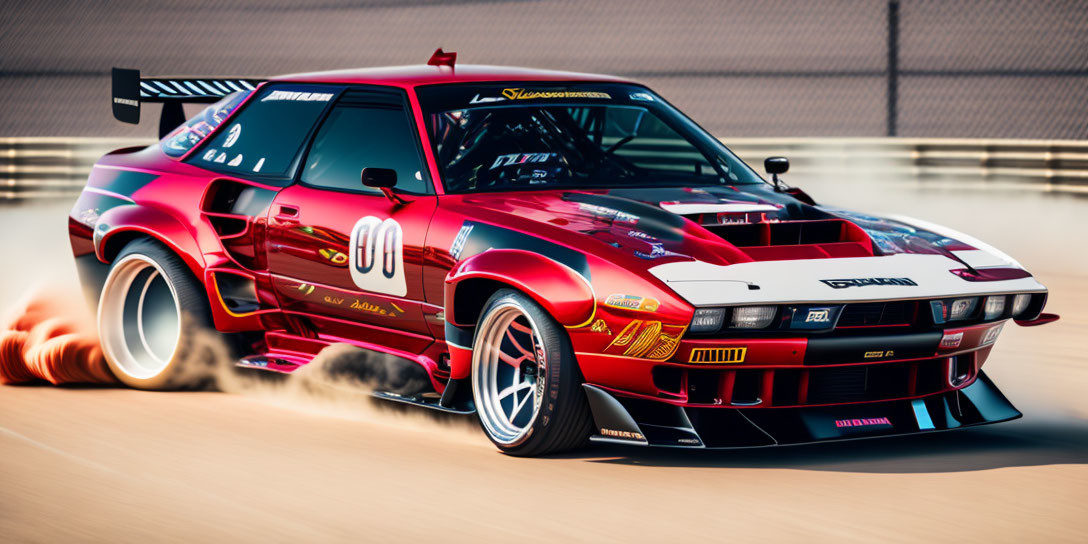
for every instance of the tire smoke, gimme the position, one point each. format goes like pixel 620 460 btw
pixel 50 339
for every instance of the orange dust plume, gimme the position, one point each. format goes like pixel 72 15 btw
pixel 51 339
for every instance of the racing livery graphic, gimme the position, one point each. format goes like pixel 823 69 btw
pixel 565 255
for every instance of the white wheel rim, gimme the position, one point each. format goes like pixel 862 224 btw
pixel 509 370
pixel 139 318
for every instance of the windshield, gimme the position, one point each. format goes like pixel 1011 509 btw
pixel 503 137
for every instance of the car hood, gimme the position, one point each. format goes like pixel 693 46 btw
pixel 743 234
pixel 728 225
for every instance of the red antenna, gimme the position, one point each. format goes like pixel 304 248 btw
pixel 442 58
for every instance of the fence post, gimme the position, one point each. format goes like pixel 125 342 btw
pixel 893 66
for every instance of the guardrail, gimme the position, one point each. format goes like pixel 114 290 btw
pixel 58 167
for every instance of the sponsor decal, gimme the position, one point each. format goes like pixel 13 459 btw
pixel 600 326
pixel 305 289
pixel 657 251
pixel 235 161
pixel 371 308
pixel 657 247
pixel 333 256
pixel 221 158
pixel 611 433
pixel 526 94
pixel 814 317
pixel 486 99
pixel 864 282
pixel 991 335
pixel 89 216
pixel 257 167
pixel 297 96
pixel 459 242
pixel 333 300
pixel 377 256
pixel 126 101
pixel 863 422
pixel 233 134
pixel 632 302
pixel 608 213
pixel 717 355
pixel 520 158
pixel 648 339
pixel 210 154
pixel 879 354
pixel 952 341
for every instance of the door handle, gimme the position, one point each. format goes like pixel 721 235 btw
pixel 287 214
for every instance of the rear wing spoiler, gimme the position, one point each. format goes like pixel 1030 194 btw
pixel 130 90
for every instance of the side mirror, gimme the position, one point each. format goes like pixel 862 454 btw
pixel 379 178
pixel 776 165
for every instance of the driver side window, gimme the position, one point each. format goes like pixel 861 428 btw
pixel 365 135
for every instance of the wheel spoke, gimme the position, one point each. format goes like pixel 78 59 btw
pixel 517 345
pixel 510 360
pixel 514 389
pixel 517 410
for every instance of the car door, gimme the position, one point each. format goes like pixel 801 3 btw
pixel 346 260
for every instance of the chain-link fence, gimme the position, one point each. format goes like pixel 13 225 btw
pixel 742 68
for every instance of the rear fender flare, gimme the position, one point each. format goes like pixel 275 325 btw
pixel 123 222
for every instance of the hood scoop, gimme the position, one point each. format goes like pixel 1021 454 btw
pixel 789 240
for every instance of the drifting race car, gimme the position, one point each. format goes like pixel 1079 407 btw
pixel 566 255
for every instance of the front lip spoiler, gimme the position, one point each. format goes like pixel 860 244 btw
pixel 626 420
pixel 1043 319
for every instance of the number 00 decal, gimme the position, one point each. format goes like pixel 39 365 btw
pixel 377 256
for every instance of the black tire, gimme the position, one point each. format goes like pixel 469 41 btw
pixel 135 361
pixel 562 420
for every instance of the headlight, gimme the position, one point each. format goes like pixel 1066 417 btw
pixel 953 309
pixel 707 319
pixel 1020 304
pixel 995 306
pixel 962 308
pixel 752 317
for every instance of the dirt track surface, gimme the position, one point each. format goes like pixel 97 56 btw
pixel 110 464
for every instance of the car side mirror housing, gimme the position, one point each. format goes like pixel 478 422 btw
pixel 379 178
pixel 776 165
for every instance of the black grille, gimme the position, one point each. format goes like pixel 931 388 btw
pixel 878 314
pixel 837 385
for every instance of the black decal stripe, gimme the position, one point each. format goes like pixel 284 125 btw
pixel 484 237
pixel 122 182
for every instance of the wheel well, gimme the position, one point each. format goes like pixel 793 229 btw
pixel 117 242
pixel 470 297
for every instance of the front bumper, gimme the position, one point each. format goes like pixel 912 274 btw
pixel 638 421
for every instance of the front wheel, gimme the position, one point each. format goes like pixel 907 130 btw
pixel 525 380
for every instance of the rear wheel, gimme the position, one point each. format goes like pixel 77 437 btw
pixel 151 316
pixel 525 380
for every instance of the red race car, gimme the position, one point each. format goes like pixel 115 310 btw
pixel 566 255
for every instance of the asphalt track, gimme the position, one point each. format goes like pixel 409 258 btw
pixel 110 464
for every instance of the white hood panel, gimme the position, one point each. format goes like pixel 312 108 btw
pixel 705 284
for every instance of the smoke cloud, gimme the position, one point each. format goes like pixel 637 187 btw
pixel 51 339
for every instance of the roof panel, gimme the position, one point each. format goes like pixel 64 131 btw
pixel 411 76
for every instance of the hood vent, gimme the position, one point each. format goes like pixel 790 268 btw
pixel 788 240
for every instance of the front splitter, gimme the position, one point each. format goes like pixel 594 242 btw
pixel 637 421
